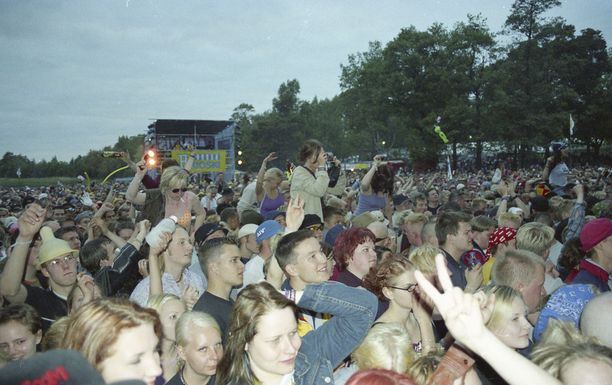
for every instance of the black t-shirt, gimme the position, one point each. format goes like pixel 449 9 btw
pixel 219 308
pixel 176 380
pixel 49 306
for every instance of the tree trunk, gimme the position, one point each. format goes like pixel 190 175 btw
pixel 478 154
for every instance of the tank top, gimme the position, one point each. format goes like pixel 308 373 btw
pixel 268 204
pixel 370 202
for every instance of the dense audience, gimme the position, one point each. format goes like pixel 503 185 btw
pixel 317 275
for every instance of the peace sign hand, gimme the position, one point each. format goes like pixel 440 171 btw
pixel 464 314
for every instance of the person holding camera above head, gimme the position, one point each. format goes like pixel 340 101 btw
pixel 310 180
pixel 376 187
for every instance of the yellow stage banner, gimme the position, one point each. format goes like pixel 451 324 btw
pixel 205 160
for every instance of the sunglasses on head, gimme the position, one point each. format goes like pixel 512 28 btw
pixel 183 189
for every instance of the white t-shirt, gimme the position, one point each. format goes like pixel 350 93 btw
pixel 248 199
pixel 558 175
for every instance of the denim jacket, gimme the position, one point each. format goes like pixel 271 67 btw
pixel 352 310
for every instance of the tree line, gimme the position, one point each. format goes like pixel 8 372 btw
pixel 516 87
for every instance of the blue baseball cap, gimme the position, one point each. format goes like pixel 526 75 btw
pixel 267 230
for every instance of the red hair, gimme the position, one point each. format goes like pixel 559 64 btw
pixel 379 377
pixel 347 242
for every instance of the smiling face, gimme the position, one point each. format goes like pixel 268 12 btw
pixel 134 356
pixel 462 241
pixel 310 266
pixel 203 350
pixel 363 258
pixel 17 341
pixel 273 349
pixel 514 329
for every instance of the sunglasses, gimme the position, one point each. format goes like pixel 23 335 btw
pixel 410 288
pixel 315 227
pixel 176 190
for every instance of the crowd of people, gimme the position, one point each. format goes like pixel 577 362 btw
pixel 317 275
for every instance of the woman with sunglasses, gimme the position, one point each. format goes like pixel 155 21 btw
pixel 171 198
pixel 393 281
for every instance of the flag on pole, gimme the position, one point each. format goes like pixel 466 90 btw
pixel 571 127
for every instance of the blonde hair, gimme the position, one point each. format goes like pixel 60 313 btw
pixel 562 344
pixel 156 302
pixel 414 218
pixel 55 334
pixel 424 258
pixel 184 326
pixel 535 237
pixel 502 310
pixel 173 176
pixel 509 220
pixel 212 219
pixel 515 266
pixel 94 329
pixel 387 346
pixel 273 173
pixel 424 367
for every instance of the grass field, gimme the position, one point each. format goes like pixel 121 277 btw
pixel 35 182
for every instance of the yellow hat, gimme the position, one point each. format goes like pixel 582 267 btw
pixel 52 248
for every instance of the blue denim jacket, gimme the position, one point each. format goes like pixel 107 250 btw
pixel 352 310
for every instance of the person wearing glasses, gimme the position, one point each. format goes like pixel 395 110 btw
pixel 171 198
pixel 56 260
pixel 393 281
pixel 313 223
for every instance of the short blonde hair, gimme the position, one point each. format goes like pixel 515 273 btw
pixel 173 176
pixel 414 218
pixel 184 327
pixel 387 346
pixel 424 258
pixel 562 344
pixel 535 237
pixel 509 220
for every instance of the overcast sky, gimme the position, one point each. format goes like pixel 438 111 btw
pixel 75 75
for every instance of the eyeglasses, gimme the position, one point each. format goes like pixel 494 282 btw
pixel 67 260
pixel 315 227
pixel 410 288
pixel 176 190
pixel 376 240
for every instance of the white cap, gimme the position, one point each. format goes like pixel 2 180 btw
pixel 460 186
pixel 247 229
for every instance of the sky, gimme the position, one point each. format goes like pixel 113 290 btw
pixel 76 75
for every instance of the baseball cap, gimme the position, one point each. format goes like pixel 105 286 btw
pixel 267 230
pixel 247 229
pixel 594 232
pixel 206 230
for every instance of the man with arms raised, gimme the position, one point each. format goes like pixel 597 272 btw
pixel 56 260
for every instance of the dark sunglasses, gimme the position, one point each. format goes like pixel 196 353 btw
pixel 183 189
pixel 410 288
